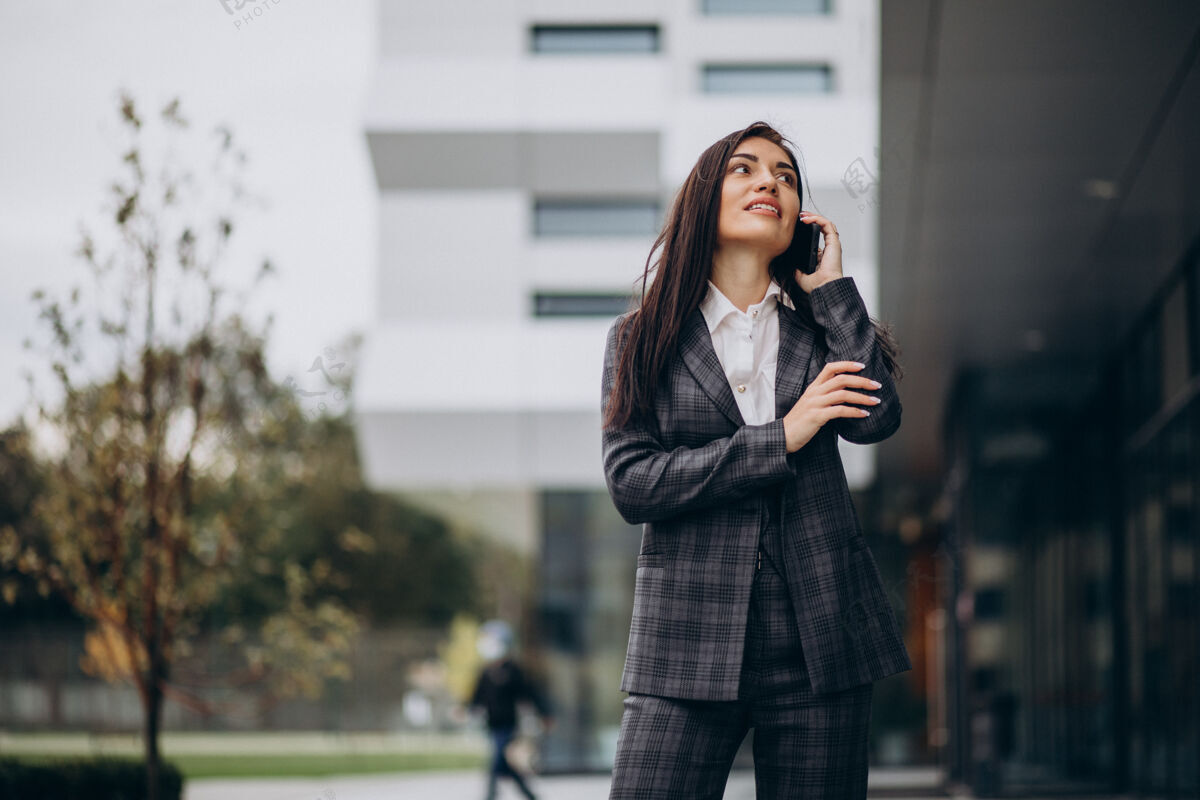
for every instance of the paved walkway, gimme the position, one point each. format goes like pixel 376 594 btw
pixel 470 786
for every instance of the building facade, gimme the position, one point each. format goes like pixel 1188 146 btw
pixel 526 153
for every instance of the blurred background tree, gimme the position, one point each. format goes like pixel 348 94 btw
pixel 159 489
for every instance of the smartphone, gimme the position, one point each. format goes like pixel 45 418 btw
pixel 805 242
pixel 801 254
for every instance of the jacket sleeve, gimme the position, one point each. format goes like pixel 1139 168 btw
pixel 850 336
pixel 649 483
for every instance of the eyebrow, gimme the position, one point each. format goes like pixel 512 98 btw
pixel 754 158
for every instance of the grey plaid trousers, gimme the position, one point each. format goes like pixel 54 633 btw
pixel 806 745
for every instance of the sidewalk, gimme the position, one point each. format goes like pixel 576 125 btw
pixel 470 786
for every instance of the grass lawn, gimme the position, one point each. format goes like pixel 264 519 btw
pixel 235 766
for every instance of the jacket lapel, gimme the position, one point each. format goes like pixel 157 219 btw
pixel 696 348
pixel 791 369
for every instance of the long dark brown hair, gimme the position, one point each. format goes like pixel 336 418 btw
pixel 647 338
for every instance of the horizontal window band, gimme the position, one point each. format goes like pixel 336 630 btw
pixel 594 39
pixel 767 78
pixel 596 217
pixel 763 7
pixel 580 304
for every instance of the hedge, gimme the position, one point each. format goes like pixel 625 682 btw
pixel 84 779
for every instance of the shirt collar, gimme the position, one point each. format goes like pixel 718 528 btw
pixel 716 306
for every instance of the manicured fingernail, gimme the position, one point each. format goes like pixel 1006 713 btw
pixel 876 384
pixel 860 366
pixel 866 413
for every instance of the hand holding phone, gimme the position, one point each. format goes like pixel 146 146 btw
pixel 805 261
pixel 829 264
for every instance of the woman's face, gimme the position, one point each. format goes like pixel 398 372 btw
pixel 760 200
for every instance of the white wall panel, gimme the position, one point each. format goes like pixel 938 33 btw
pixel 456 255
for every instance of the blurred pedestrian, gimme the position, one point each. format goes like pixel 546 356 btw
pixel 757 603
pixel 502 685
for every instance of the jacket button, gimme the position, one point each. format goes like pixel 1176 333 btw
pixel 741 387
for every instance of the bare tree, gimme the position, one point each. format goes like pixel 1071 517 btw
pixel 155 501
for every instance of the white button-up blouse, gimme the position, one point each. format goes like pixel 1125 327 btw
pixel 747 345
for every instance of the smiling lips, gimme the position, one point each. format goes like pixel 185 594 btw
pixel 764 206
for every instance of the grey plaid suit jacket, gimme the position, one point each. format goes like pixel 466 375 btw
pixel 699 479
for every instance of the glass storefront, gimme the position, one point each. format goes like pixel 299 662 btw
pixel 1076 622
pixel 584 606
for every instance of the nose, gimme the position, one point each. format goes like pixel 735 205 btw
pixel 767 183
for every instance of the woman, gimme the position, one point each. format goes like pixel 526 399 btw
pixel 757 602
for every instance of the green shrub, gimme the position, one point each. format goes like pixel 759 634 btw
pixel 84 779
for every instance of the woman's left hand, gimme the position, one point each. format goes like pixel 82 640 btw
pixel 829 267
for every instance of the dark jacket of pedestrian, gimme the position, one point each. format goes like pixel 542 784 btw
pixel 501 686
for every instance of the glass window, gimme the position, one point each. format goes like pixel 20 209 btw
pixel 781 7
pixel 1192 281
pixel 1141 381
pixel 595 39
pixel 767 78
pixel 595 218
pixel 1174 336
pixel 588 558
pixel 989 603
pixel 579 304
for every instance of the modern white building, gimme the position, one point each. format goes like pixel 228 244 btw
pixel 526 152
